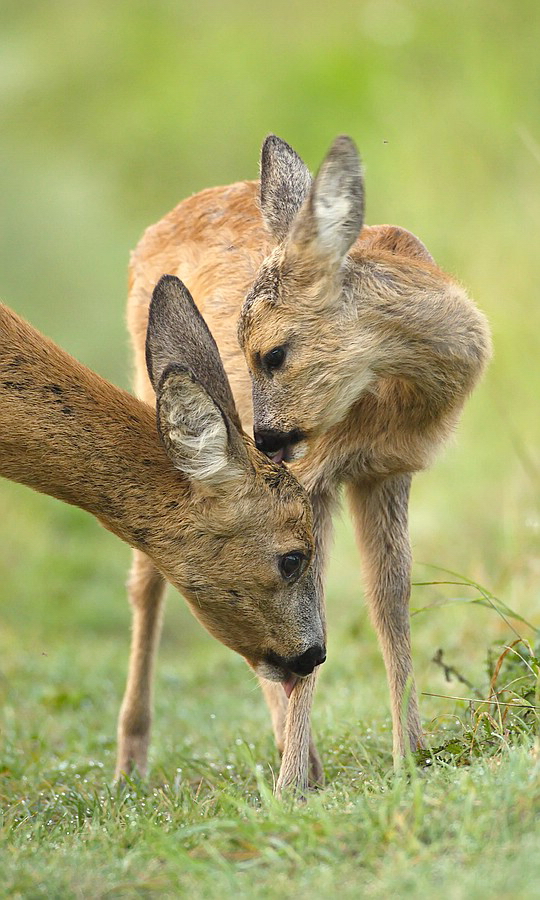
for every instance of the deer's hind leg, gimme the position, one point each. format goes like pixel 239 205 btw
pixel 146 589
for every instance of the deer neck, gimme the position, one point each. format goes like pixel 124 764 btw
pixel 66 432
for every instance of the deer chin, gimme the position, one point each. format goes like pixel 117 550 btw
pixel 275 673
pixel 296 452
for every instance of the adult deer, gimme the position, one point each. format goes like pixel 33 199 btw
pixel 359 353
pixel 226 526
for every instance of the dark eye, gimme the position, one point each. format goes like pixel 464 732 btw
pixel 274 359
pixel 291 565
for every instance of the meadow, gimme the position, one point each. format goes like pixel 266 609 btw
pixel 110 114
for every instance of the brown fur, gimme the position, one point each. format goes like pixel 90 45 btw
pixel 68 433
pixel 382 350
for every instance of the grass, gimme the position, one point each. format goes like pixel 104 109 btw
pixel 389 838
pixel 110 114
pixel 205 823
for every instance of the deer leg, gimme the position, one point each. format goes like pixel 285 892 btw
pixel 298 743
pixel 380 511
pixel 291 720
pixel 278 705
pixel 146 594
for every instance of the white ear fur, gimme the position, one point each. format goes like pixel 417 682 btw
pixel 333 214
pixel 331 211
pixel 194 431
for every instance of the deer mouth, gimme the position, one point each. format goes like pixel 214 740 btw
pixel 281 446
pixel 291 453
pixel 290 670
pixel 290 683
pixel 279 457
pixel 279 674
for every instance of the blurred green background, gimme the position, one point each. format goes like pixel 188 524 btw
pixel 110 113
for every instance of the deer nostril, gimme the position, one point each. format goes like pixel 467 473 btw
pixel 301 665
pixel 271 441
pixel 306 662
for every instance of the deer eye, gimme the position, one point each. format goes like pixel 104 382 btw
pixel 291 565
pixel 274 359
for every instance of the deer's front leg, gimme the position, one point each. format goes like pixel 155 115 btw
pixel 301 764
pixel 279 708
pixel 146 594
pixel 297 738
pixel 380 510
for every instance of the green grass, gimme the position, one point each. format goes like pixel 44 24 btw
pixel 110 114
pixel 387 838
pixel 205 823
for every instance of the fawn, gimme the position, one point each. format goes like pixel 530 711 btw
pixel 226 526
pixel 358 354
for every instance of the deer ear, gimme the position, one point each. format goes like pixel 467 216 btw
pixel 195 432
pixel 178 335
pixel 285 184
pixel 196 415
pixel 333 214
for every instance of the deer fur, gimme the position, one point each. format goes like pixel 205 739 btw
pixel 187 489
pixel 381 350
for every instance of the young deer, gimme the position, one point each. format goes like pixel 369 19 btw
pixel 226 526
pixel 361 353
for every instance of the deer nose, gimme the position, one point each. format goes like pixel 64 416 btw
pixel 299 665
pixel 271 441
pixel 306 662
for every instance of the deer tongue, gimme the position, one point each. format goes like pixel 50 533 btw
pixel 289 684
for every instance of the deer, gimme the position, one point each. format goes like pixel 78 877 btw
pixel 349 352
pixel 184 485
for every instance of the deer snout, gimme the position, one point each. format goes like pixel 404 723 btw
pixel 277 444
pixel 301 665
